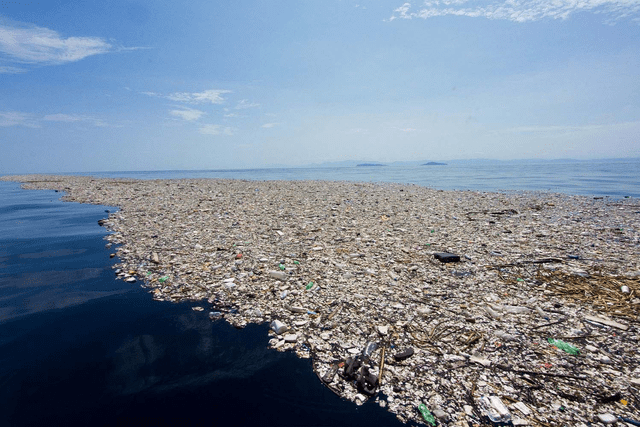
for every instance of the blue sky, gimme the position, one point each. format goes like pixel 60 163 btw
pixel 142 85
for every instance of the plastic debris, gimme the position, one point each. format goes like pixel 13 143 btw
pixel 607 418
pixel 369 348
pixel 330 374
pixel 522 408
pixel 446 257
pixel 278 275
pixel 610 398
pixel 291 338
pixel 426 415
pixel 404 354
pixel 564 346
pixel 476 331
pixel 494 410
pixel 607 322
pixel 279 327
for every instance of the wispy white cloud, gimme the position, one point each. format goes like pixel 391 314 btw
pixel 357 130
pixel 68 118
pixel 558 129
pixel 188 114
pixel 211 96
pixel 231 115
pixel 269 125
pixel 73 118
pixel 520 10
pixel 29 44
pixel 244 103
pixel 12 70
pixel 405 129
pixel 17 118
pixel 216 130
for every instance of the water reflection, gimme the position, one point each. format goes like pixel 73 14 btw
pixel 200 354
pixel 78 348
pixel 52 254
pixel 128 358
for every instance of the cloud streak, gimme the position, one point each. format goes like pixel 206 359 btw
pixel 17 118
pixel 216 130
pixel 27 44
pixel 211 96
pixel 562 130
pixel 188 114
pixel 73 118
pixel 12 70
pixel 244 103
pixel 520 10
pixel 406 130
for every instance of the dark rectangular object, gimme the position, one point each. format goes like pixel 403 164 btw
pixel 403 354
pixel 447 257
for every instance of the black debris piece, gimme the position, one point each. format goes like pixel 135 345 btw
pixel 446 257
pixel 367 381
pixel 609 398
pixel 351 367
pixel 403 354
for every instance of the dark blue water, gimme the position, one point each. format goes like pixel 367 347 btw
pixel 614 178
pixel 78 348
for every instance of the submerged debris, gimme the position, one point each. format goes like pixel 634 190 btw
pixel 534 322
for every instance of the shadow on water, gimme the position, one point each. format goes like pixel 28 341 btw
pixel 78 348
pixel 127 359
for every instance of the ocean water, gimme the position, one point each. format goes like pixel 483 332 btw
pixel 613 178
pixel 79 348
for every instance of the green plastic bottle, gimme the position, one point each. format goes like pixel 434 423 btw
pixel 426 414
pixel 564 346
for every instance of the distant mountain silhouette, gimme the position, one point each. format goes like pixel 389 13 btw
pixel 433 164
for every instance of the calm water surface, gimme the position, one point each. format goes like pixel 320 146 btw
pixel 614 178
pixel 78 348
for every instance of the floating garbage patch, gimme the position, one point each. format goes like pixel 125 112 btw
pixel 455 308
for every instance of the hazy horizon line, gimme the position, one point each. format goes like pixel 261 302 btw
pixel 347 163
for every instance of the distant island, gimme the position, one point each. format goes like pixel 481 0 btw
pixel 369 164
pixel 433 164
